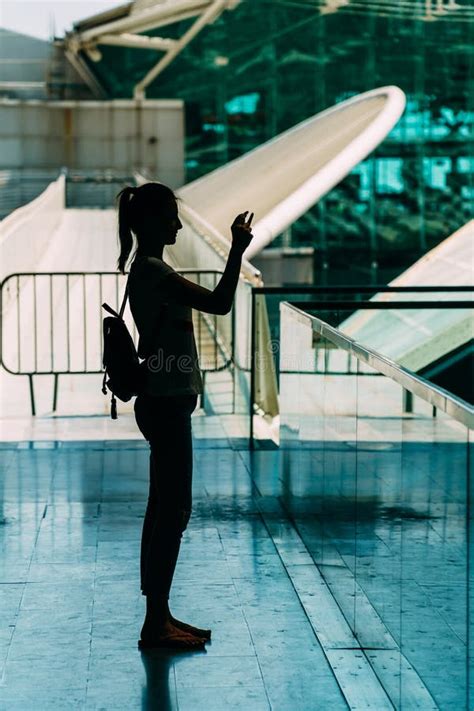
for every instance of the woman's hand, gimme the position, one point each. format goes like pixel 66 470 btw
pixel 242 231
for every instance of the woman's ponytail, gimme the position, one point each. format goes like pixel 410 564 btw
pixel 124 230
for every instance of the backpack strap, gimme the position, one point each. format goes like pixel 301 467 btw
pixel 124 300
pixel 112 311
pixel 120 313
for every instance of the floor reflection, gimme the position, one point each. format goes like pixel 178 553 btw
pixel 317 585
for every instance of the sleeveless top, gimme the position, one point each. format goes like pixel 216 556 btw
pixel 166 332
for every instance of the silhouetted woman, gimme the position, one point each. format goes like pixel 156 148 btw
pixel 161 301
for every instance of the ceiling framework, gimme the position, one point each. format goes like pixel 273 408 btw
pixel 127 25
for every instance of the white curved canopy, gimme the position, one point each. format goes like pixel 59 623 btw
pixel 281 179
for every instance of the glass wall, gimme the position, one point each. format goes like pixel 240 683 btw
pixel 269 64
pixel 381 493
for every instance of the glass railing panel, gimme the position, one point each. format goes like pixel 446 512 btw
pixel 301 421
pixel 362 428
pixel 337 500
pixel 470 562
pixel 376 474
pixel 436 343
pixel 318 400
pixel 432 517
pixel 377 564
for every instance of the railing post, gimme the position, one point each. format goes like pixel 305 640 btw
pixel 55 391
pixel 1 323
pixel 232 356
pixel 32 394
pixel 203 394
pixel 252 368
pixel 407 401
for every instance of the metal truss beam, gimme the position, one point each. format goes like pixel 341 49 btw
pixel 123 32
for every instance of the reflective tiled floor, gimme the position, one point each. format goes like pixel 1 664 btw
pixel 71 609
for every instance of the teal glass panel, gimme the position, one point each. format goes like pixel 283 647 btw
pixel 432 517
pixel 378 483
pixel 470 580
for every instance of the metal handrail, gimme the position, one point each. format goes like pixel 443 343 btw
pixel 454 406
pixel 355 289
pixel 343 305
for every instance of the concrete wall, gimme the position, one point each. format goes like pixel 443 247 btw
pixel 120 135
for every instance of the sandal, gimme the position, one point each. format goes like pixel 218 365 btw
pixel 199 632
pixel 172 643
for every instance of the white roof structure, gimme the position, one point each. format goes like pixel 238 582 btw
pixel 282 178
pixel 415 338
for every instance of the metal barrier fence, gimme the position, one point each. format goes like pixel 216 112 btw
pixel 51 324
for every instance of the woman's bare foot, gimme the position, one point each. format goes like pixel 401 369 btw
pixel 171 635
pixel 185 627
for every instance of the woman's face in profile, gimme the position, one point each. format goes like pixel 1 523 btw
pixel 169 223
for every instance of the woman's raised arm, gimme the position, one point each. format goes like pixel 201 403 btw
pixel 219 300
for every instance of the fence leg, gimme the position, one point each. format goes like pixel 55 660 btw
pixel 407 401
pixel 32 395
pixel 253 312
pixel 203 394
pixel 232 368
pixel 55 391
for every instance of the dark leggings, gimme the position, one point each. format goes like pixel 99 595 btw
pixel 165 421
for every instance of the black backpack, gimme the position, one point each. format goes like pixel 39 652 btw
pixel 123 374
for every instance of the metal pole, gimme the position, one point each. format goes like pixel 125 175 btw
pixel 407 401
pixel 232 357
pixel 32 394
pixel 252 371
pixel 55 391
pixel 203 394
